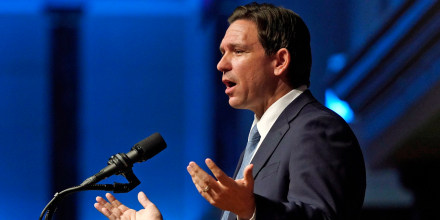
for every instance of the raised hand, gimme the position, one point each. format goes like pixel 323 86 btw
pixel 224 192
pixel 115 210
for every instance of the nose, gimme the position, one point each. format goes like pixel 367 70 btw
pixel 224 64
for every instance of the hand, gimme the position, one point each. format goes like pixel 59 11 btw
pixel 115 210
pixel 225 193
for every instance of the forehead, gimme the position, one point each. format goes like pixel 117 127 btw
pixel 240 32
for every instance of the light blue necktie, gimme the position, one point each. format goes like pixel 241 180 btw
pixel 251 146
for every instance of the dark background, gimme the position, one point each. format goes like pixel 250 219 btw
pixel 83 80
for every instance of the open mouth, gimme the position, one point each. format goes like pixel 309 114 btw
pixel 229 83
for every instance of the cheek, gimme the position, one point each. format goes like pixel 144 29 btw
pixel 249 73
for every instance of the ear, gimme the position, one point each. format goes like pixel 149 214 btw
pixel 282 61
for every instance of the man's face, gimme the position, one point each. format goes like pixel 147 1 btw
pixel 247 70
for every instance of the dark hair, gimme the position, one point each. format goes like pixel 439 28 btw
pixel 281 28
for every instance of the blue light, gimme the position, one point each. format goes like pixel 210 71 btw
pixel 339 106
pixel 336 62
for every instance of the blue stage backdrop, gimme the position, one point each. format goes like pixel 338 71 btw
pixel 24 113
pixel 144 66
pixel 145 70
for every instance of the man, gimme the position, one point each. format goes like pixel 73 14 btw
pixel 302 160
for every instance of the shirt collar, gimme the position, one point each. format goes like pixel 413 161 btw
pixel 274 111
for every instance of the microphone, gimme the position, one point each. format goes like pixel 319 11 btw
pixel 120 162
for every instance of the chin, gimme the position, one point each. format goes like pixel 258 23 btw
pixel 234 103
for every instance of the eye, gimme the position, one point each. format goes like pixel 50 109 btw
pixel 238 51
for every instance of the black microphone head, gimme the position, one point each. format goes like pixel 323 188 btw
pixel 147 148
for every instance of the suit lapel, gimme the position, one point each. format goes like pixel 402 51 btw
pixel 270 143
pixel 278 130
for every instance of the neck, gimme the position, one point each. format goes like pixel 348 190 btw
pixel 279 92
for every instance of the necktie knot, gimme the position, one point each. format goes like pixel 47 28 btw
pixel 254 135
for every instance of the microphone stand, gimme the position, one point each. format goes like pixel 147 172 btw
pixel 133 181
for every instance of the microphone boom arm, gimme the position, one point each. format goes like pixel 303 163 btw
pixel 119 164
pixel 119 160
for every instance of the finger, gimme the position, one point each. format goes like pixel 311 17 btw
pixel 199 176
pixel 191 170
pixel 100 200
pixel 218 173
pixel 106 212
pixel 117 207
pixel 194 169
pixel 102 209
pixel 103 204
pixel 115 203
pixel 143 200
pixel 248 176
pixel 204 183
pixel 112 200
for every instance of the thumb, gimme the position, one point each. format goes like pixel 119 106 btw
pixel 143 200
pixel 248 177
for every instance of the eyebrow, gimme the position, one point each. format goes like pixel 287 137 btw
pixel 235 45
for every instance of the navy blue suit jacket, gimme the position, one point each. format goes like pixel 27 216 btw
pixel 309 166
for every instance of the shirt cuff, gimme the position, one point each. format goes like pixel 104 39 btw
pixel 253 215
